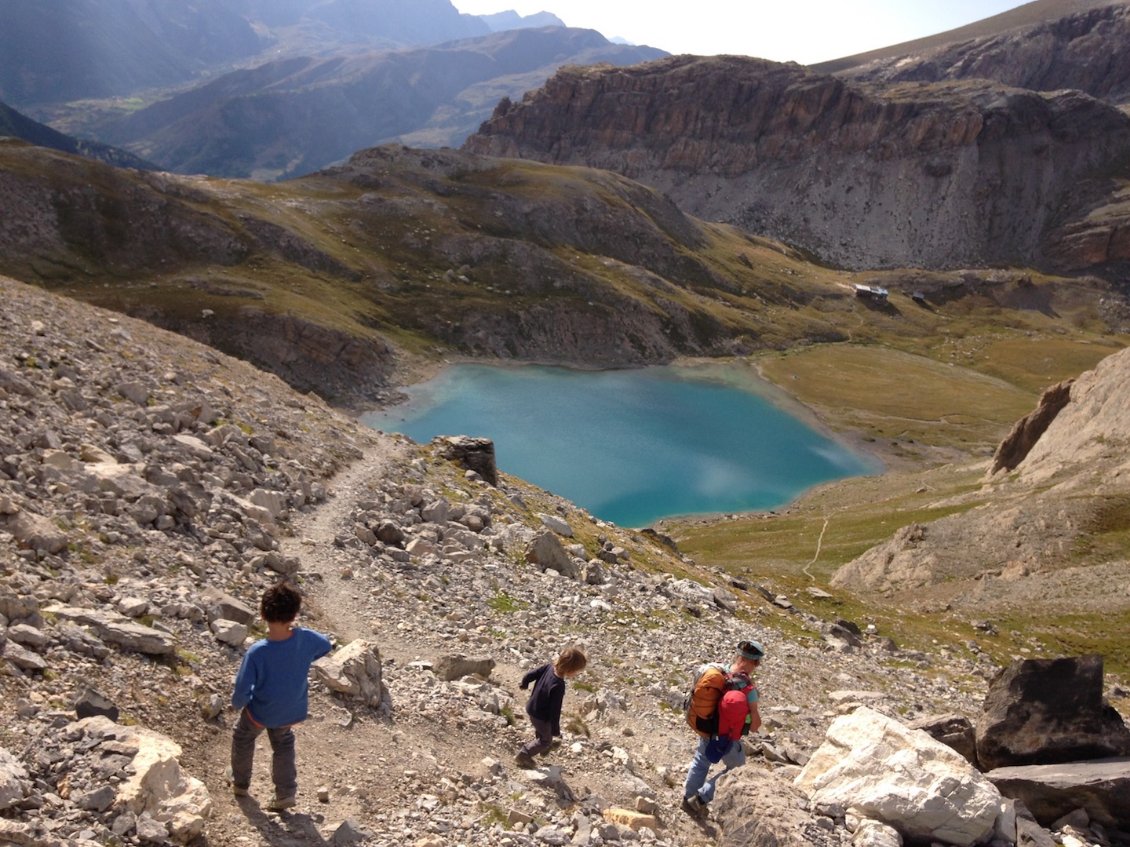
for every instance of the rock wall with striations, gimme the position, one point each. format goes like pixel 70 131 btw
pixel 929 175
pixel 1085 51
pixel 1033 537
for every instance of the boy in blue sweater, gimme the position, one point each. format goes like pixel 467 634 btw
pixel 271 694
pixel 544 705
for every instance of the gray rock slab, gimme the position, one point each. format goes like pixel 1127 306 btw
pixel 1101 786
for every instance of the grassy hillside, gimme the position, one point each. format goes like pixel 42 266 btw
pixel 403 257
pixel 351 280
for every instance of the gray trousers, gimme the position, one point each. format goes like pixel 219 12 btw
pixel 544 740
pixel 284 770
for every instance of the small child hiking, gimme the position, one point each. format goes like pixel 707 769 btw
pixel 546 698
pixel 271 694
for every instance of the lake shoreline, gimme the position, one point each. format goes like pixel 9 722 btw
pixel 719 454
pixel 888 457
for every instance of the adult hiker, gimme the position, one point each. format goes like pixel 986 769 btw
pixel 720 722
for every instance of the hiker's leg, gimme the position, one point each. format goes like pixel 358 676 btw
pixel 243 750
pixel 544 732
pixel 696 776
pixel 734 758
pixel 284 770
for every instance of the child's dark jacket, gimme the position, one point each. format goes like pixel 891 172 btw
pixel 546 698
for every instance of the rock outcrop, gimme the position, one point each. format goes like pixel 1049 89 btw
pixel 1049 711
pixel 1100 787
pixel 1027 431
pixel 1084 50
pixel 930 175
pixel 877 768
pixel 1027 524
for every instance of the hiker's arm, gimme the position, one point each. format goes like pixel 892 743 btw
pixel 556 701
pixel 244 684
pixel 754 718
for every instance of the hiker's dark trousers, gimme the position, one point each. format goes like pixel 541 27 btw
pixel 284 772
pixel 544 731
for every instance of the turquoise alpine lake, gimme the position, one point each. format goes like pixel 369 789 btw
pixel 630 446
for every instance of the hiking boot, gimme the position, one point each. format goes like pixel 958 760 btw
pixel 525 760
pixel 236 790
pixel 694 807
pixel 281 803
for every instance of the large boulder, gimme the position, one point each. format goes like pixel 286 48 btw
pixel 118 629
pixel 547 552
pixel 34 532
pixel 757 808
pixel 456 666
pixel 475 454
pixel 155 785
pixel 1101 787
pixel 15 784
pixel 354 670
pixel 219 604
pixel 877 768
pixel 1048 711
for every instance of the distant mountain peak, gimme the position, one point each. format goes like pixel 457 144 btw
pixel 510 19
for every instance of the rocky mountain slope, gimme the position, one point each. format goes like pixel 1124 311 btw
pixel 151 488
pixel 1078 51
pixel 861 175
pixel 270 90
pixel 1000 26
pixel 294 115
pixel 118 48
pixel 888 162
pixel 1044 533
pixel 114 47
pixel 15 125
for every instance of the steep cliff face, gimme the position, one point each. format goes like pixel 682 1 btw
pixel 1085 51
pixel 1035 535
pixel 930 175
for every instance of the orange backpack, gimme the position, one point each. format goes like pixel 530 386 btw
pixel 700 705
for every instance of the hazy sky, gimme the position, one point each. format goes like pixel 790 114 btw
pixel 805 31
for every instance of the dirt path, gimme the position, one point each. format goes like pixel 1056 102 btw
pixel 397 775
pixel 367 767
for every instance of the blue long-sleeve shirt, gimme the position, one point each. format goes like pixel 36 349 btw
pixel 547 697
pixel 272 679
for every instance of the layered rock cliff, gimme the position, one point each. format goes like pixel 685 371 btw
pixel 1043 531
pixel 1085 51
pixel 930 175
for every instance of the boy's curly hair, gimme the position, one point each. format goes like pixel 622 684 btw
pixel 571 660
pixel 280 604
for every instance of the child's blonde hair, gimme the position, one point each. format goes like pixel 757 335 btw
pixel 571 660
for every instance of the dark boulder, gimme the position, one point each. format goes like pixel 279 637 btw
pixel 1049 711
pixel 475 454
